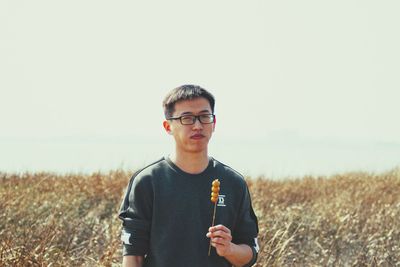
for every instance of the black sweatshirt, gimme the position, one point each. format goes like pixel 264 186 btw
pixel 166 214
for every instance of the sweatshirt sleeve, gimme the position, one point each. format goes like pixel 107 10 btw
pixel 246 229
pixel 136 213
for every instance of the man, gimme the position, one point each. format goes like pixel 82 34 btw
pixel 167 212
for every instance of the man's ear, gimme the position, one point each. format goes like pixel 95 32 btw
pixel 167 127
pixel 214 123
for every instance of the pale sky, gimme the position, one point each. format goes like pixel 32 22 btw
pixel 98 70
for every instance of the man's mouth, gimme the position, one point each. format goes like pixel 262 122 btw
pixel 197 136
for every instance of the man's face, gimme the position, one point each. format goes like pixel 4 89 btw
pixel 191 138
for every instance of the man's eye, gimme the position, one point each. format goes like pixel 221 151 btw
pixel 206 118
pixel 187 118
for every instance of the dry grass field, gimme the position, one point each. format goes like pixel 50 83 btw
pixel 71 220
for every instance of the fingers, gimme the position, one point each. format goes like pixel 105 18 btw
pixel 219 227
pixel 219 231
pixel 220 238
pixel 220 235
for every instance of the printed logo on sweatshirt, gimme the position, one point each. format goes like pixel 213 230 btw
pixel 256 247
pixel 221 201
pixel 125 237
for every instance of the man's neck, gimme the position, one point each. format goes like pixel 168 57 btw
pixel 193 163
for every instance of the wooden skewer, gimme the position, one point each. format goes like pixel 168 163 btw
pixel 212 224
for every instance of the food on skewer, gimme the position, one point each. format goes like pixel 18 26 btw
pixel 214 197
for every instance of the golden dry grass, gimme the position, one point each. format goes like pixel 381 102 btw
pixel 71 220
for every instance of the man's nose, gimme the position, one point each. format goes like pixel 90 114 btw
pixel 197 124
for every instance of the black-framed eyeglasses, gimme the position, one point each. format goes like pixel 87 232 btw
pixel 191 119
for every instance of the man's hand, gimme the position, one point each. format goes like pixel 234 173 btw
pixel 221 237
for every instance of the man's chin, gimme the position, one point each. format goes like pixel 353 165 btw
pixel 198 149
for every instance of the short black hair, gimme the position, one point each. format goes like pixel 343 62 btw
pixel 185 92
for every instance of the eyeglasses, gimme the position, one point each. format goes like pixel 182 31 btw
pixel 191 119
